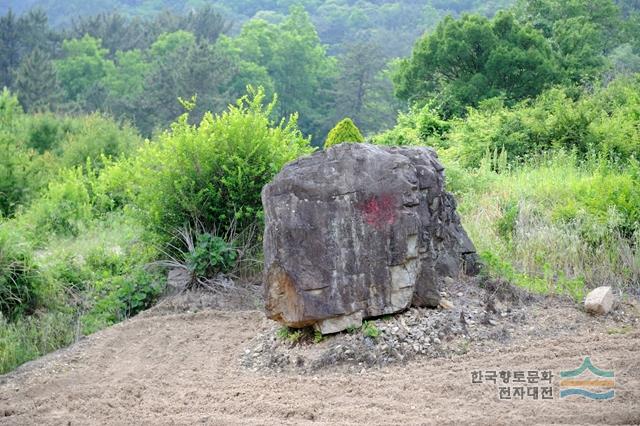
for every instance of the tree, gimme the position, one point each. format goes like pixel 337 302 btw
pixel 84 65
pixel 297 63
pixel 19 36
pixel 362 90
pixel 35 33
pixel 207 24
pixel 470 59
pixel 628 7
pixel 116 32
pixel 246 72
pixel 9 48
pixel 345 131
pixel 127 79
pixel 582 32
pixel 36 82
pixel 182 68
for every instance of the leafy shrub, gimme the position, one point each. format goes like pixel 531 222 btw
pixel 211 255
pixel 75 139
pixel 45 131
pixel 22 174
pixel 212 173
pixel 64 208
pixel 344 131
pixel 22 171
pixel 369 329
pixel 10 109
pixel 604 122
pixel 36 147
pixel 95 138
pixel 420 126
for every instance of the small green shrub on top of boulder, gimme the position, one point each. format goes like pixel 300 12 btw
pixel 345 131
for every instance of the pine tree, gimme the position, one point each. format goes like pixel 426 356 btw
pixel 36 82
pixel 345 131
pixel 9 49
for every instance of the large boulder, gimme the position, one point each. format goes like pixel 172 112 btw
pixel 359 231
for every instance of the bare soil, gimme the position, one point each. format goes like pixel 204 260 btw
pixel 184 362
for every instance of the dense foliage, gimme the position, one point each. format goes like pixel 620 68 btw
pixel 324 60
pixel 467 60
pixel 80 250
pixel 209 174
pixel 518 54
pixel 36 147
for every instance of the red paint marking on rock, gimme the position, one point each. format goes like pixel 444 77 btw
pixel 379 210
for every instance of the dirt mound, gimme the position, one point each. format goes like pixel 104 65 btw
pixel 186 368
pixel 477 313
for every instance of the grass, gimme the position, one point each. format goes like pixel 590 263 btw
pixel 622 330
pixel 31 337
pixel 292 335
pixel 83 284
pixel 369 329
pixel 554 225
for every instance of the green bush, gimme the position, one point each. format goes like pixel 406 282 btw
pixel 44 132
pixel 73 140
pixel 604 122
pixel 22 171
pixel 96 137
pixel 210 174
pixel 420 126
pixel 344 131
pixel 211 255
pixel 64 208
pixel 22 174
pixel 10 109
pixel 37 147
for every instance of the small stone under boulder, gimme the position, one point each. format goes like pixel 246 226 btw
pixel 359 231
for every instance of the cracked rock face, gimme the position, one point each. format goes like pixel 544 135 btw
pixel 359 231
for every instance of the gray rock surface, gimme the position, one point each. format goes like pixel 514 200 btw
pixel 599 301
pixel 359 231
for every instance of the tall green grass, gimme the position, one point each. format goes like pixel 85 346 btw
pixel 555 224
pixel 30 337
pixel 79 283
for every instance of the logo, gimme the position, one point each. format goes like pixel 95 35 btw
pixel 594 383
